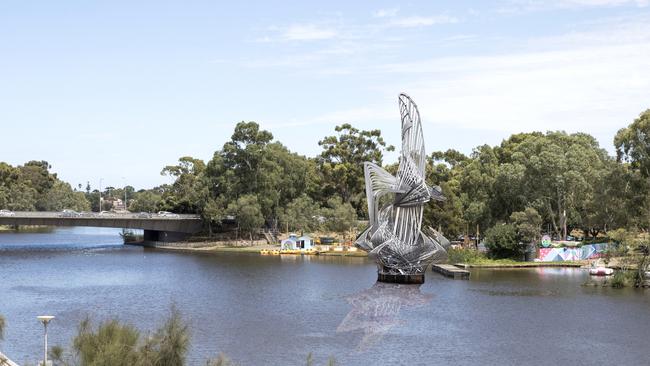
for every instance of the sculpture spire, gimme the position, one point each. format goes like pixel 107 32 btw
pixel 394 236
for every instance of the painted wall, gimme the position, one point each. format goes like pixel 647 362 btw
pixel 589 251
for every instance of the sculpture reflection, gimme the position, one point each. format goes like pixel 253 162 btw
pixel 376 310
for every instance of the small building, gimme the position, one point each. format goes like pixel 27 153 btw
pixel 290 243
pixel 305 242
pixel 297 243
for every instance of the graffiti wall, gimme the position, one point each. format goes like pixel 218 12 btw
pixel 589 251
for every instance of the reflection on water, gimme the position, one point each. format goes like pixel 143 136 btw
pixel 376 310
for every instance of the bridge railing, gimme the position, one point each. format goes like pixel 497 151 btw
pixel 97 215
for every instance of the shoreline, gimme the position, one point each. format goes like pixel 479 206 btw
pixel 212 247
pixel 567 264
pixel 191 247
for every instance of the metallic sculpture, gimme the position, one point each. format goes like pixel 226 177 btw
pixel 395 207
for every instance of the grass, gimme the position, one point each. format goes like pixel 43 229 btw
pixel 474 258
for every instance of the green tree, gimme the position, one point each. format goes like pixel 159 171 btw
pixel 528 224
pixel 145 201
pixel 61 196
pixel 250 163
pixel 189 191
pixel 556 174
pixel 248 214
pixel 302 214
pixel 116 343
pixel 112 344
pixel 169 345
pixel 340 216
pixel 444 169
pixel 212 214
pixel 341 163
pixel 632 144
pixel 501 241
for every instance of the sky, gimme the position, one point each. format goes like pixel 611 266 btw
pixel 116 90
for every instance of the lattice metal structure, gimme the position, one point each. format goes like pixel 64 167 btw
pixel 395 207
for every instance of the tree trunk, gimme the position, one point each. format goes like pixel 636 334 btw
pixel 552 215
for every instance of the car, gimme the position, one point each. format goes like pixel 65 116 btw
pixel 69 213
pixel 6 213
pixel 86 214
pixel 167 214
pixel 143 215
pixel 106 214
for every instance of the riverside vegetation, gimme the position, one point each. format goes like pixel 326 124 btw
pixel 553 181
pixel 113 343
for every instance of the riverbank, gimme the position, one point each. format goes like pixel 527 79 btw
pixel 496 264
pixel 25 229
pixel 219 247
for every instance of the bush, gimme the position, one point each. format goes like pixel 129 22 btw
pixel 464 256
pixel 622 279
pixel 118 344
pixel 501 241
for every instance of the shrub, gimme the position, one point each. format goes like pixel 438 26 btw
pixel 114 343
pixel 464 255
pixel 501 241
pixel 623 278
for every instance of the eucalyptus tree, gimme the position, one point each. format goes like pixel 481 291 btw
pixel 302 214
pixel 248 213
pixel 556 174
pixel 341 163
pixel 444 170
pixel 632 144
pixel 189 191
pixel 252 164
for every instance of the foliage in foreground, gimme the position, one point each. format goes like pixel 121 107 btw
pixel 114 343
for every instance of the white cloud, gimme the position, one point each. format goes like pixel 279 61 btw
pixel 384 13
pixel 519 6
pixel 595 82
pixel 639 3
pixel 308 32
pixel 419 21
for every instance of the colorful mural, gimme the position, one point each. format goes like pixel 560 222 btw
pixel 589 251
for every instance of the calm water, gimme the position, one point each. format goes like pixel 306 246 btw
pixel 274 310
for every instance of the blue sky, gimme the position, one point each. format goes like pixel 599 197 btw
pixel 116 89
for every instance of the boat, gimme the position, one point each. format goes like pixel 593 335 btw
pixel 264 252
pixel 601 271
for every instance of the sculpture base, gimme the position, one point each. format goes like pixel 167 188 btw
pixel 413 279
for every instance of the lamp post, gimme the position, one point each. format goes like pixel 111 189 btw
pixel 45 319
pixel 100 195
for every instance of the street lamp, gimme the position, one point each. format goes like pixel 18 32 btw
pixel 100 195
pixel 45 319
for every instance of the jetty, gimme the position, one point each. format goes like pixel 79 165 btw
pixel 451 271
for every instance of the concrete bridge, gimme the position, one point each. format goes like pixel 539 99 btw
pixel 156 227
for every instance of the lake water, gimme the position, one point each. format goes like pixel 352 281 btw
pixel 263 310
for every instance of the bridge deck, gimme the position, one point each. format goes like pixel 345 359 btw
pixel 182 224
